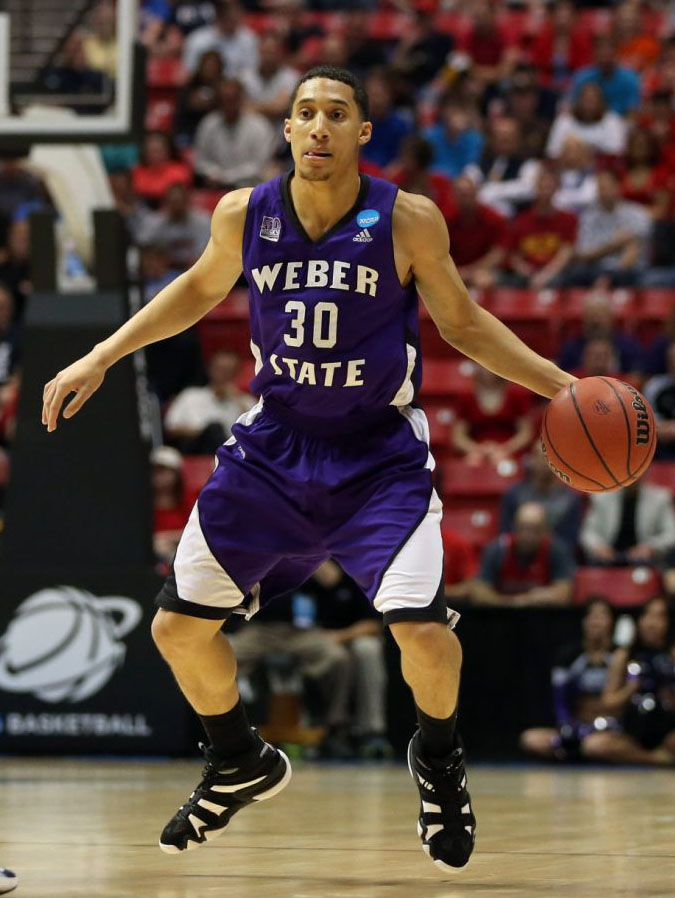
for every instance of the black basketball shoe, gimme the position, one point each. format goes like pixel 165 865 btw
pixel 446 824
pixel 227 786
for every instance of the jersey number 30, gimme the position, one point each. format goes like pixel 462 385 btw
pixel 324 331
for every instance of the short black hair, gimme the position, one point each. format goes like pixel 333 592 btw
pixel 334 73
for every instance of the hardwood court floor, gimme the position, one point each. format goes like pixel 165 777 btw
pixel 89 829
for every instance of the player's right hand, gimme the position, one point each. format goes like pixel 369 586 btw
pixel 83 378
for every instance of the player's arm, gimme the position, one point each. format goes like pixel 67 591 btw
pixel 421 239
pixel 175 308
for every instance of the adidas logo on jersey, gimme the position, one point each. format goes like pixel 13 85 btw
pixel 363 236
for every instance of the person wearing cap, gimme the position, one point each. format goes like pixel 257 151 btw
pixel 170 512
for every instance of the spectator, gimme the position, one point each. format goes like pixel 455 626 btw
pixel 237 44
pixel 412 174
pixel 598 322
pixel 578 186
pixel 527 104
pixel 641 178
pixel 159 168
pixel 199 95
pixel 175 363
pixel 18 187
pixel 578 681
pixel 232 145
pixel 589 119
pixel 71 73
pixel 640 691
pixel 180 231
pixel 656 356
pixel 635 525
pixel 486 46
pixel 168 499
pixel 14 264
pixel 612 242
pixel 563 505
pixel 154 18
pixel 200 419
pixel 188 16
pixel 269 87
pixel 659 391
pixel 635 47
pixel 9 402
pixel 561 46
pixel 476 236
pixel 389 128
pixel 456 141
pixel 598 359
pixel 100 41
pixel 540 242
pixel 506 176
pixel 620 85
pixel 137 216
pixel 288 626
pixel 365 53
pixel 421 51
pixel 527 567
pixel 493 422
pixel 10 346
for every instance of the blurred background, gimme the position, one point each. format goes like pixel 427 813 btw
pixel 545 132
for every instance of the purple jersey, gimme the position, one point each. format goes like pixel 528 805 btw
pixel 333 332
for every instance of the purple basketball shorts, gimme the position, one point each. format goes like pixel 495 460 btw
pixel 281 501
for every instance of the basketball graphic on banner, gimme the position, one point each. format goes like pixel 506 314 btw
pixel 64 644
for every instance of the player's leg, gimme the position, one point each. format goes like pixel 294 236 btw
pixel 240 528
pixel 406 586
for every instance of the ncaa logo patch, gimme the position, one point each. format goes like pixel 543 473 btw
pixel 270 229
pixel 367 218
pixel 64 644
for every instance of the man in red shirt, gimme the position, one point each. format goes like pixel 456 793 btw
pixel 540 242
pixel 525 567
pixel 476 236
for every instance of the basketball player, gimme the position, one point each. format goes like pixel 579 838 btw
pixel 333 461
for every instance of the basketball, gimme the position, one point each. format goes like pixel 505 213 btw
pixel 599 434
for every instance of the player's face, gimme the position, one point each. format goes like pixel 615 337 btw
pixel 325 130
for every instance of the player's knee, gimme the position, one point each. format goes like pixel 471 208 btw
pixel 176 634
pixel 427 642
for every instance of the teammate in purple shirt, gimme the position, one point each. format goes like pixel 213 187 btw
pixel 334 459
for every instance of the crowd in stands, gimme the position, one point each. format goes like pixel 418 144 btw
pixel 545 132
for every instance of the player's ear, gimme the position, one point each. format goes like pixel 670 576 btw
pixel 287 130
pixel 366 133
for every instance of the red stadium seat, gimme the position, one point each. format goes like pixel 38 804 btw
pixel 479 526
pixel 653 312
pixel 246 373
pixel 196 471
pixel 662 473
pixel 206 200
pixel 446 377
pixel 226 326
pixel 159 113
pixel 532 314
pixel 624 587
pixel 479 487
